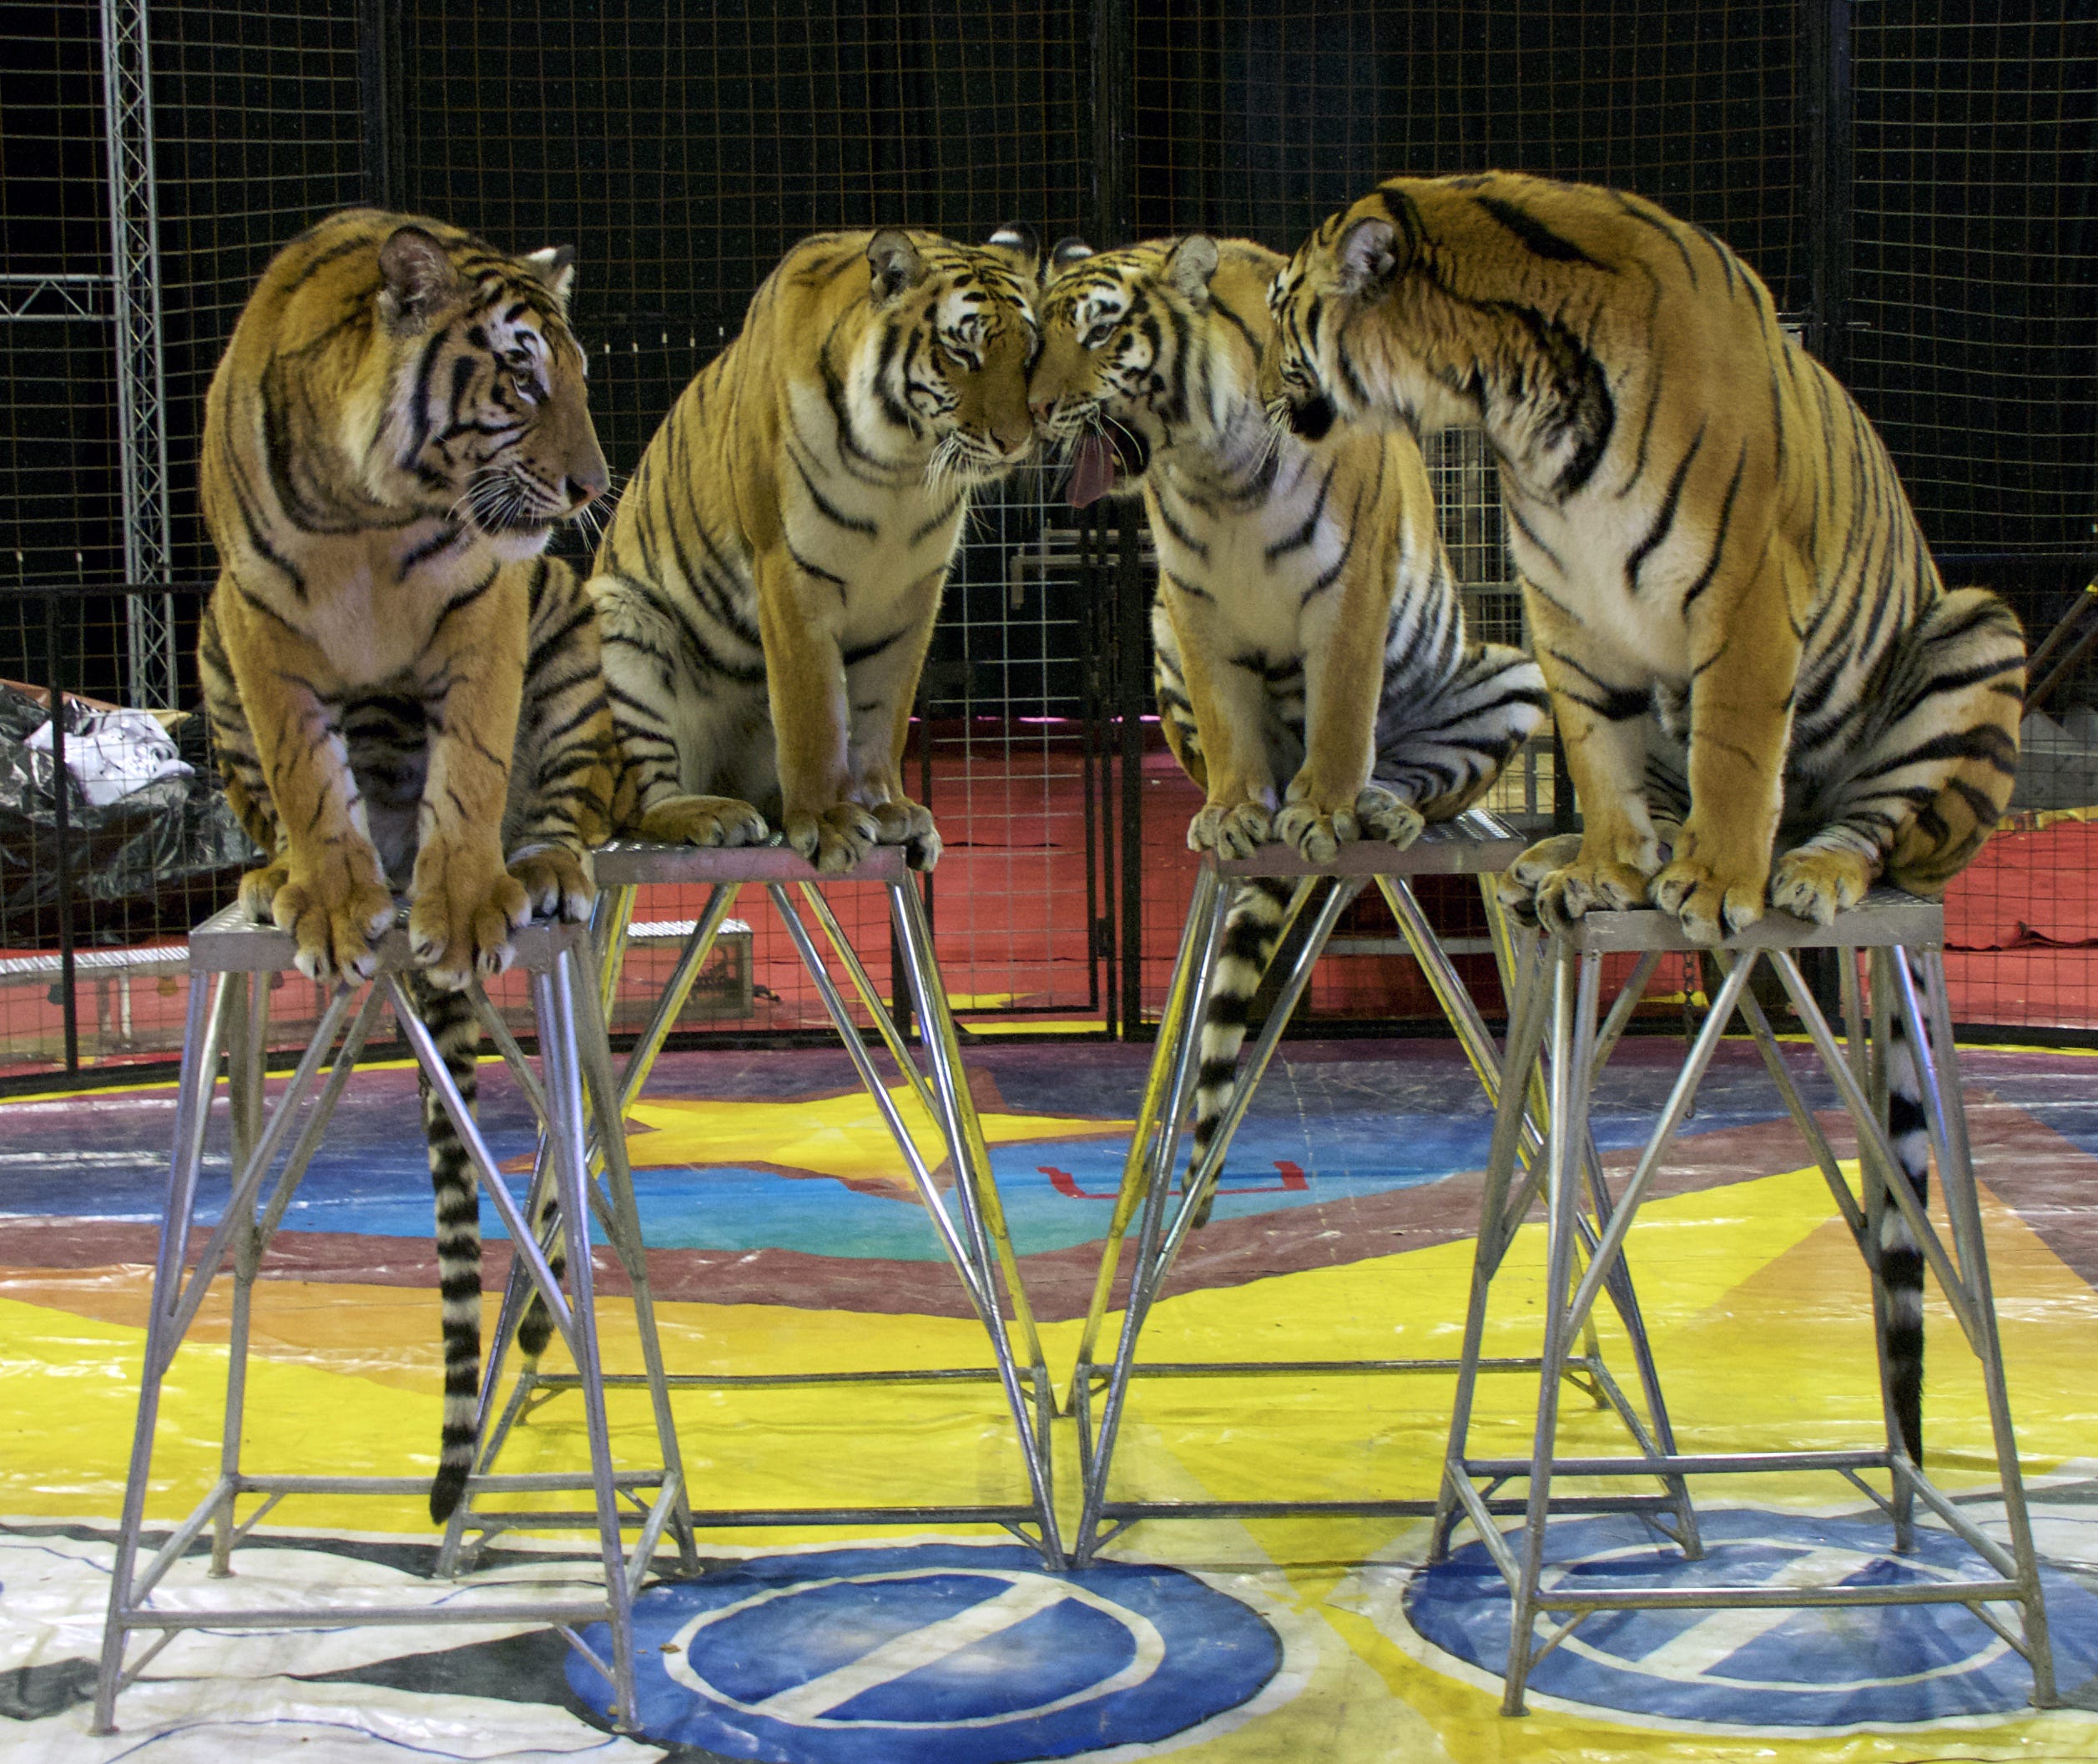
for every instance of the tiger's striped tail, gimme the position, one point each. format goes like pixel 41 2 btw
pixel 1901 1257
pixel 535 1328
pixel 455 1191
pixel 1252 928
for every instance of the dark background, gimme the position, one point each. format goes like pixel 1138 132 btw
pixel 1926 207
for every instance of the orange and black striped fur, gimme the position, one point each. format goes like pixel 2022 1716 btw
pixel 1313 674
pixel 395 428
pixel 1750 652
pixel 768 585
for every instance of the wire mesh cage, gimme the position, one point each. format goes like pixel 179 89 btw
pixel 1914 187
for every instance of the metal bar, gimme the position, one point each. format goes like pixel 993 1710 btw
pixel 1150 1110
pixel 554 995
pixel 1612 1242
pixel 249 1177
pixel 641 1061
pixel 1809 1014
pixel 863 983
pixel 982 1218
pixel 524 1244
pixel 972 1279
pixel 1572 1041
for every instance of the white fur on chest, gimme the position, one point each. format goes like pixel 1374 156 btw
pixel 1263 588
pixel 1581 563
pixel 371 625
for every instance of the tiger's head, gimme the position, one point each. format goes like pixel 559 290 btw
pixel 1122 332
pixel 955 336
pixel 1336 358
pixel 471 402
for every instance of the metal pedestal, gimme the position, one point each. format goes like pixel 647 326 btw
pixel 971 1229
pixel 1476 844
pixel 230 1017
pixel 1560 1023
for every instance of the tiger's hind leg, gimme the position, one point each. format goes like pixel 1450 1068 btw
pixel 449 1017
pixel 1931 785
pixel 232 743
pixel 1441 749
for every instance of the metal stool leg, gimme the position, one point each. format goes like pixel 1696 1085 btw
pixel 202 1034
pixel 1574 982
pixel 983 1219
pixel 1193 986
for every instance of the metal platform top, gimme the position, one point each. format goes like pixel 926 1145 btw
pixel 1886 917
pixel 625 862
pixel 229 942
pixel 1475 842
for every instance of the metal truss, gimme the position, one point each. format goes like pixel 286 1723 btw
pixel 134 279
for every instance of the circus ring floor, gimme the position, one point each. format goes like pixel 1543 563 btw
pixel 783 1239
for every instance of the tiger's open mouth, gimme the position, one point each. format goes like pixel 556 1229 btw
pixel 1100 461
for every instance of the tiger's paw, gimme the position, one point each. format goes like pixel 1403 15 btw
pixel 460 924
pixel 909 825
pixel 1233 830
pixel 1710 907
pixel 703 820
pixel 1521 882
pixel 1385 816
pixel 259 891
pixel 836 839
pixel 557 882
pixel 1588 886
pixel 335 922
pixel 1817 885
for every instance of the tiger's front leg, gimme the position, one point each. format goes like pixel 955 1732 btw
pixel 798 622
pixel 325 887
pixel 463 903
pixel 881 684
pixel 1331 802
pixel 1603 736
pixel 1228 698
pixel 1745 669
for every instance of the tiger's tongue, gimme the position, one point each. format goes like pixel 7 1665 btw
pixel 1093 471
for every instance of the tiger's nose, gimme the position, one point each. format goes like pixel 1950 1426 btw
pixel 589 481
pixel 1014 438
pixel 1041 409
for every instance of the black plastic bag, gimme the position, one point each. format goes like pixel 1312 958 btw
pixel 158 859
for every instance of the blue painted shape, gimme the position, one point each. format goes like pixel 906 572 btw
pixel 934 1654
pixel 1802 1669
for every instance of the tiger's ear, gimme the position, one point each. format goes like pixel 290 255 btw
pixel 896 263
pixel 1014 241
pixel 556 266
pixel 418 280
pixel 1367 258
pixel 1068 251
pixel 1193 261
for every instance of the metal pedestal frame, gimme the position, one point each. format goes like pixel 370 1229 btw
pixel 1475 843
pixel 977 1242
pixel 241 957
pixel 1559 1022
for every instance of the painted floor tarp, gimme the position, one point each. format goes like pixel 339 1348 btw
pixel 784 1238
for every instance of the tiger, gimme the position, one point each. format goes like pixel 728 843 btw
pixel 767 587
pixel 1765 694
pixel 1277 562
pixel 401 692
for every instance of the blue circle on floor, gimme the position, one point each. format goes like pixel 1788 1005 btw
pixel 933 1654
pixel 1767 1667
